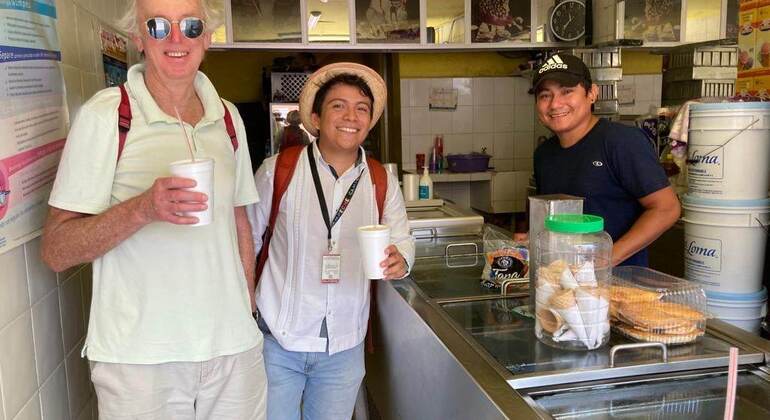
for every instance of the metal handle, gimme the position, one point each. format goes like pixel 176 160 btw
pixel 473 264
pixel 475 247
pixel 504 286
pixel 433 232
pixel 631 346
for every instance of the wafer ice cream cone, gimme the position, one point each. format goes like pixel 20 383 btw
pixel 550 321
pixel 544 292
pixel 565 304
pixel 585 275
pixel 593 309
pixel 567 280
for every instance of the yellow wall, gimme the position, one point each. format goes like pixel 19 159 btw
pixel 641 62
pixel 238 74
pixel 457 64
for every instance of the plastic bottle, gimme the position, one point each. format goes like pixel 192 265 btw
pixel 433 165
pixel 439 145
pixel 426 185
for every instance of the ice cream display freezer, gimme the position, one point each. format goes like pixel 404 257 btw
pixel 446 348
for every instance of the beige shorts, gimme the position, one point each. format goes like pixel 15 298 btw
pixel 227 387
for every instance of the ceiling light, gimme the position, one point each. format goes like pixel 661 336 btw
pixel 312 21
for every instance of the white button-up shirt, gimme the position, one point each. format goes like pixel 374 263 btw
pixel 290 296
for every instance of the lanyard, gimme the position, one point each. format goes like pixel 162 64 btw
pixel 322 200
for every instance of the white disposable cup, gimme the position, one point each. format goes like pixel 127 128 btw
pixel 411 187
pixel 202 171
pixel 373 240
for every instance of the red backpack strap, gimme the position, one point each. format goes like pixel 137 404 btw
pixel 124 119
pixel 284 171
pixel 230 127
pixel 380 181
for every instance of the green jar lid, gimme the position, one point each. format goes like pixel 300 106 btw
pixel 574 223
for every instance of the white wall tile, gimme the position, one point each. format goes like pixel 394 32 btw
pixel 524 118
pixel 464 86
pixel 31 410
pixel 47 333
pixel 41 279
pixel 521 92
pixel 2 411
pixel 462 120
pixel 420 92
pixel 71 301
pixel 501 186
pixel 481 141
pixel 406 150
pixel 405 121
pixel 483 119
pixel 53 396
pixel 503 145
pixel 78 381
pixel 14 295
pixel 65 18
pixel 503 164
pixel 503 118
pixel 74 88
pixel 504 206
pixel 405 92
pixel 483 91
pixel 440 121
pixel 458 143
pixel 441 83
pixel 86 38
pixel 422 144
pixel 523 142
pixel 419 121
pixel 17 364
pixel 523 164
pixel 521 184
pixel 504 91
pixel 643 90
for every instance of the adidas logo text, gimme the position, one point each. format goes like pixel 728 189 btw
pixel 554 62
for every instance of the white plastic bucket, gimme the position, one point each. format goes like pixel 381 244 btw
pixel 724 243
pixel 745 311
pixel 729 150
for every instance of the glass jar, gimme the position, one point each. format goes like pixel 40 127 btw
pixel 572 285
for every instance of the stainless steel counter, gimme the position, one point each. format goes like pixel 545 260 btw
pixel 447 348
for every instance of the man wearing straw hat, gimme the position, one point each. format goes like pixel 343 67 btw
pixel 612 166
pixel 171 333
pixel 315 328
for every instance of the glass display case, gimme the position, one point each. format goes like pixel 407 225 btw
pixel 387 21
pixel 446 22
pixel 266 21
pixel 328 21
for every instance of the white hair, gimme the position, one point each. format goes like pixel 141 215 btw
pixel 212 15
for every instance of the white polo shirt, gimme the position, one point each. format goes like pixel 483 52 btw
pixel 168 292
pixel 290 296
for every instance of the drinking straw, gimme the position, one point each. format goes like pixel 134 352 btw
pixel 732 382
pixel 187 138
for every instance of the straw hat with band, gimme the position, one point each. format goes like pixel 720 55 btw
pixel 324 74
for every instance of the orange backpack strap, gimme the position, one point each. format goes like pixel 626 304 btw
pixel 124 119
pixel 230 127
pixel 380 181
pixel 284 170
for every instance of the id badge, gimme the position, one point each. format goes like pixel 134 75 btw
pixel 330 269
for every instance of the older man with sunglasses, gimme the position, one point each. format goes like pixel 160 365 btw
pixel 171 333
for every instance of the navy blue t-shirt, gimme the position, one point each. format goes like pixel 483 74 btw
pixel 611 167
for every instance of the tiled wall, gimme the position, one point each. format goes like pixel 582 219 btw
pixel 43 316
pixel 495 113
pixel 646 93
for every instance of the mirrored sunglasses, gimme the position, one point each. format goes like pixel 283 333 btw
pixel 160 28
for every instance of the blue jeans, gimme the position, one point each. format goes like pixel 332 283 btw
pixel 311 385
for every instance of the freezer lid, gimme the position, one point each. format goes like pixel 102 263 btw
pixel 443 220
pixel 690 396
pixel 500 332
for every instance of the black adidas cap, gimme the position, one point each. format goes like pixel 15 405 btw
pixel 566 69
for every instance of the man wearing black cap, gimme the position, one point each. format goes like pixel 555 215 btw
pixel 611 165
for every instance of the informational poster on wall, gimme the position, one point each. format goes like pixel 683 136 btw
pixel 33 116
pixel 114 57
